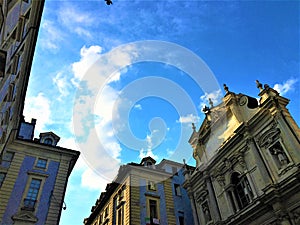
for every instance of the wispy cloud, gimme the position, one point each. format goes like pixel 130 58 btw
pixel 286 86
pixel 138 106
pixel 88 56
pixel 170 152
pixel 148 151
pixel 188 119
pixel 76 20
pixel 99 145
pixel 89 178
pixel 51 35
pixel 214 96
pixel 69 15
pixel 62 84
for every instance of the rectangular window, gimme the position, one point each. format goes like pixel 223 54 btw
pixel 151 186
pixel 153 209
pixel 20 28
pixel 106 212
pixel 177 189
pixel 2 177
pixel 41 163
pixel 101 219
pixel 121 194
pixel 120 216
pixel 32 194
pixel 7 159
pixel 181 220
pixel 2 62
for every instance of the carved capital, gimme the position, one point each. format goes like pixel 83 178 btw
pixel 242 161
pixel 228 164
pixel 249 142
pixel 221 180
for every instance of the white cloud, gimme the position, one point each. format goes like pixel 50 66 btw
pixel 215 97
pixel 286 86
pixel 88 58
pixel 51 35
pixel 138 106
pixel 96 137
pixel 62 84
pixel 82 32
pixel 38 107
pixel 91 180
pixel 190 118
pixel 69 16
pixel 170 152
pixel 148 151
pixel 75 20
pixel 115 77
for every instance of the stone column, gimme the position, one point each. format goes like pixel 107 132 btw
pixel 194 207
pixel 265 174
pixel 212 199
pixel 229 203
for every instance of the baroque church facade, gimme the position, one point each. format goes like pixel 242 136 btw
pixel 247 154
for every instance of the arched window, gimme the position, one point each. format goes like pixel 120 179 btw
pixel 242 194
pixel 48 141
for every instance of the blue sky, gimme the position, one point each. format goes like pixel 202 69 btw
pixel 99 84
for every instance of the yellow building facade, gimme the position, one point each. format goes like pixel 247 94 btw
pixel 33 178
pixel 33 171
pixel 247 153
pixel 20 21
pixel 144 194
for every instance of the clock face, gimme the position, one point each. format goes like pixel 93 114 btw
pixel 243 100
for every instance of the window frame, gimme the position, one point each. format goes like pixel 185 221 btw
pixel 40 165
pixel 240 183
pixel 148 205
pixel 7 162
pixel 48 141
pixel 2 179
pixel 177 190
pixel 36 193
pixel 120 215
pixel 181 218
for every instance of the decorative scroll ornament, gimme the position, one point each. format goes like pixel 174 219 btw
pixel 269 137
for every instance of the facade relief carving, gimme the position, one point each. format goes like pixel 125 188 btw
pixel 221 180
pixel 201 196
pixel 248 164
pixel 196 156
pixel 269 137
pixel 279 155
pixel 296 217
pixel 206 212
pixel 271 141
